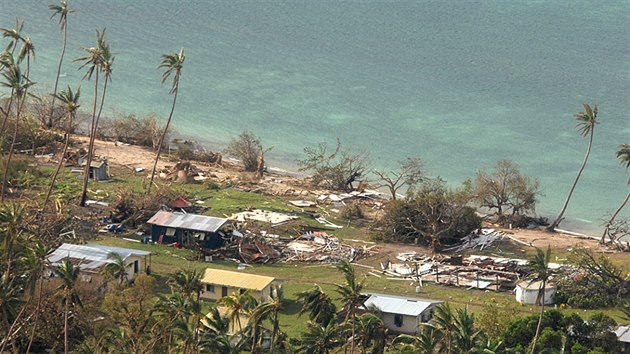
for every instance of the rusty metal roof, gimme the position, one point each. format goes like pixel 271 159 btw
pixel 187 221
pixel 236 279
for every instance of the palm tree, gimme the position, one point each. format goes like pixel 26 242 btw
pixel 586 126
pixel 14 34
pixel 320 339
pixel 116 269
pixel 62 10
pixel 425 342
pixel 187 282
pixel 237 305
pixel 466 337
pixel 93 61
pixel 37 264
pixel 623 155
pixel 27 51
pixel 68 274
pixel 70 102
pixel 271 310
pixel 318 304
pixel 172 63
pixel 19 85
pixel 444 322
pixel 371 332
pixel 540 265
pixel 12 216
pixel 350 293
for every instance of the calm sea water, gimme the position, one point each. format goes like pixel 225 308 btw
pixel 460 84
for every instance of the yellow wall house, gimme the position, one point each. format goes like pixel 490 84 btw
pixel 219 283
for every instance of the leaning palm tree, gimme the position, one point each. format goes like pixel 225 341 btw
pixel 70 102
pixel 68 274
pixel 62 10
pixel 26 52
pixel 318 305
pixel 270 309
pixel 172 63
pixel 623 155
pixel 540 265
pixel 93 61
pixel 350 292
pixel 586 126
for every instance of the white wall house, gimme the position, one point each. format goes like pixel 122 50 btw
pixel 91 259
pixel 527 292
pixel 402 314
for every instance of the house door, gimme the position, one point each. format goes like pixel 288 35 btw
pixel 224 291
pixel 136 266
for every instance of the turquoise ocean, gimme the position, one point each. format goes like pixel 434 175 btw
pixel 461 84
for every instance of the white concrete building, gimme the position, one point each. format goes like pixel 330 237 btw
pixel 402 314
pixel 527 292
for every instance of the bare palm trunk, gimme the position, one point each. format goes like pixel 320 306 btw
pixel 614 216
pixel 540 318
pixel 86 172
pixel 63 156
pixel 63 51
pixel 36 320
pixel 8 338
pixel 8 162
pixel 555 224
pixel 6 117
pixel 157 156
pixel 65 325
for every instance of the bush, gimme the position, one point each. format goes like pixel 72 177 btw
pixel 133 130
pixel 351 212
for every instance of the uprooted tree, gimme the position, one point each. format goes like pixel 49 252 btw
pixel 596 283
pixel 506 191
pixel 336 170
pixel 409 173
pixel 434 215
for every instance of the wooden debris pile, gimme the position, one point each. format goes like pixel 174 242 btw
pixel 481 272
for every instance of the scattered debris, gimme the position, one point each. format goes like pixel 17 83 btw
pixel 271 217
pixel 302 203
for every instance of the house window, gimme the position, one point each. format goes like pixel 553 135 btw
pixel 224 291
pixel 398 320
pixel 170 232
pixel 210 288
pixel 136 266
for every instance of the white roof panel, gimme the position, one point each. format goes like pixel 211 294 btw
pixel 399 305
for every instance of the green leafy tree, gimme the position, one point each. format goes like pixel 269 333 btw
pixel 623 155
pixel 586 127
pixel 247 148
pixel 62 11
pixel 172 65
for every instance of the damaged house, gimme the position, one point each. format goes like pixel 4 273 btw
pixel 189 230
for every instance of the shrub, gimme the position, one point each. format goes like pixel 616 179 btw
pixel 246 148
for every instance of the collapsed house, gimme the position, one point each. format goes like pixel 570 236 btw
pixel 188 230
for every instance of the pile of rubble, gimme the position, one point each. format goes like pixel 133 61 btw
pixel 309 247
pixel 475 271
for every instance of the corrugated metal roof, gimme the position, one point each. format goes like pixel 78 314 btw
pixel 187 221
pixel 623 333
pixel 91 256
pixel 399 305
pixel 235 279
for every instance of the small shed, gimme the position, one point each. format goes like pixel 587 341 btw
pixel 92 258
pixel 187 229
pixel 99 169
pixel 527 292
pixel 402 314
pixel 219 283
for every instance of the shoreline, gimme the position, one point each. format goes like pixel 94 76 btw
pixel 273 169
